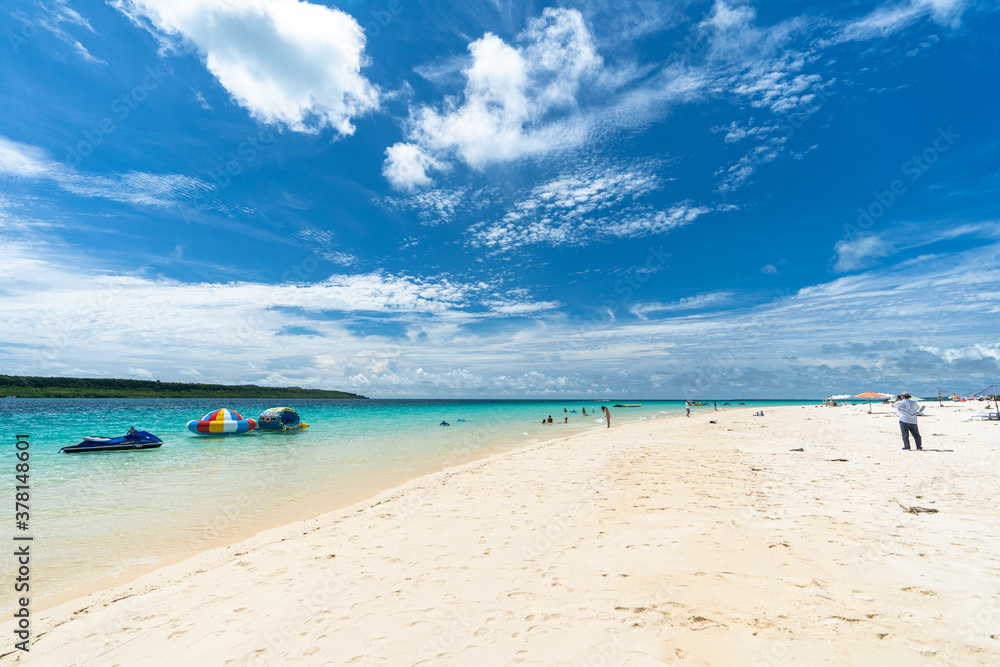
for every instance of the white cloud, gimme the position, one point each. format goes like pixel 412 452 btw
pixel 780 89
pixel 738 173
pixel 579 232
pixel 859 252
pixel 769 268
pixel 518 100
pixel 287 62
pixel 341 258
pixel 224 332
pixel 19 160
pixel 23 162
pixel 732 32
pixel 406 166
pixel 766 67
pixel 698 302
pixel 512 308
pixel 202 102
pixel 594 202
pixel 926 313
pixel 59 18
pixel 736 132
pixel 735 40
pixel 442 205
pixel 890 18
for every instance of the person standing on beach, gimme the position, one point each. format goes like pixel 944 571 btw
pixel 907 410
pixel 607 414
pixel 687 406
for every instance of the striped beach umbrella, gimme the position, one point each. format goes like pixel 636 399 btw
pixel 220 422
pixel 870 395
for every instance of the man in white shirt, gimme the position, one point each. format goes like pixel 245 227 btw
pixel 907 410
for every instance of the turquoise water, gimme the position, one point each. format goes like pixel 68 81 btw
pixel 102 514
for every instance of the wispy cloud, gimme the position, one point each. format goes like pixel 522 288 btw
pixel 443 205
pixel 60 19
pixel 699 302
pixel 863 251
pixel 892 17
pixel 860 252
pixel 595 202
pixel 24 162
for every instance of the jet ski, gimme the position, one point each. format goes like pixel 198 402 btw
pixel 132 440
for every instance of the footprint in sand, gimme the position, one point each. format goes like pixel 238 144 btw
pixel 699 623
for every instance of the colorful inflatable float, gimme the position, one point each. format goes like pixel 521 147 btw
pixel 280 419
pixel 220 422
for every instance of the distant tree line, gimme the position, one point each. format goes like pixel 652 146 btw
pixel 42 387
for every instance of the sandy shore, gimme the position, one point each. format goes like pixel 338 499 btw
pixel 672 541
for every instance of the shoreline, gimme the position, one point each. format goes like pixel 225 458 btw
pixel 312 507
pixel 590 545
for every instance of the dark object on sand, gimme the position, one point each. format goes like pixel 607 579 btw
pixel 917 510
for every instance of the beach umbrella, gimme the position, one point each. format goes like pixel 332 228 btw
pixel 992 391
pixel 940 393
pixel 870 395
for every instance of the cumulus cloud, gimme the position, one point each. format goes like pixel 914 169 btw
pixel 287 62
pixel 518 100
pixel 406 166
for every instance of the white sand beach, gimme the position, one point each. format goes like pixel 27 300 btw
pixel 669 541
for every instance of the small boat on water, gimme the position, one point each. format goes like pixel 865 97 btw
pixel 221 422
pixel 130 441
pixel 280 419
pixel 627 405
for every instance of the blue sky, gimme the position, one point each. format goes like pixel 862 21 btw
pixel 402 198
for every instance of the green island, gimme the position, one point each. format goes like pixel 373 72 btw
pixel 55 387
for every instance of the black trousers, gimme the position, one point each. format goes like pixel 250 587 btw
pixel 906 429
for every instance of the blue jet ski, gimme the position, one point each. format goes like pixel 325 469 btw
pixel 132 440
